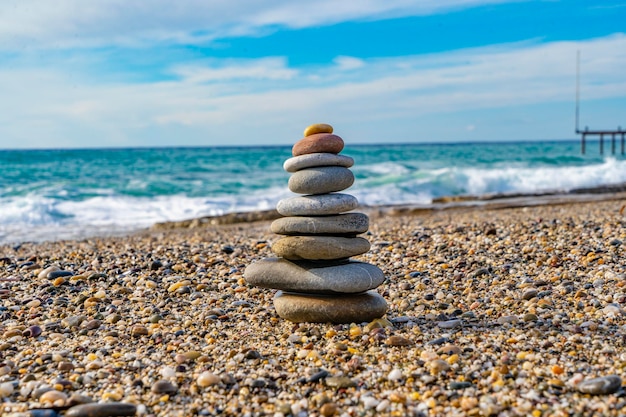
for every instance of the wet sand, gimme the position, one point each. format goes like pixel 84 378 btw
pixel 493 311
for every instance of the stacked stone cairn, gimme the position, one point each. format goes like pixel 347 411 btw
pixel 318 281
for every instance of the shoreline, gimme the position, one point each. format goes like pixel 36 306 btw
pixel 461 202
pixel 496 201
pixel 511 311
pixel 289 145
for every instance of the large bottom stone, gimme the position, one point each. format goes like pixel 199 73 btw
pixel 312 277
pixel 317 248
pixel 354 308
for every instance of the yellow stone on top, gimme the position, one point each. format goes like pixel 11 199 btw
pixel 318 128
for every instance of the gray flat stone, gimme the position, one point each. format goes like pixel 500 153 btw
pixel 342 224
pixel 102 410
pixel 317 205
pixel 355 308
pixel 601 386
pixel 317 248
pixel 321 180
pixel 450 324
pixel 317 160
pixel 314 277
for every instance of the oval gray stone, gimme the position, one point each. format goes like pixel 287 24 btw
pixel 450 324
pixel 321 180
pixel 164 386
pixel 341 224
pixel 317 160
pixel 317 205
pixel 314 277
pixel 355 308
pixel 601 386
pixel 102 410
pixel 319 248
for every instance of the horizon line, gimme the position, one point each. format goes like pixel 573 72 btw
pixel 251 146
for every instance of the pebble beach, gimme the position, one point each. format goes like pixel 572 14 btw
pixel 508 312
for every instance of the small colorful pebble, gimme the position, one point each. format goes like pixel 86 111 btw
pixel 318 128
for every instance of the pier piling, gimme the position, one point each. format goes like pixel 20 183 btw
pixel 600 134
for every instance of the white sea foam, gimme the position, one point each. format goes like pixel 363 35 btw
pixel 528 179
pixel 38 218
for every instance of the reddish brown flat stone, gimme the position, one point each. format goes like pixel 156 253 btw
pixel 318 143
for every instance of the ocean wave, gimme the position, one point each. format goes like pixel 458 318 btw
pixel 421 186
pixel 71 211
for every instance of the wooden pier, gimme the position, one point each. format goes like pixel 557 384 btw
pixel 600 134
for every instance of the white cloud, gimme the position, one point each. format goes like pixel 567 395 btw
pixel 260 69
pixel 346 63
pixel 244 102
pixel 72 23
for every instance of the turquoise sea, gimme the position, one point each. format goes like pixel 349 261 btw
pixel 60 194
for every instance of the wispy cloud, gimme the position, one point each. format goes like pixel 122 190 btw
pixel 226 70
pixel 78 23
pixel 348 63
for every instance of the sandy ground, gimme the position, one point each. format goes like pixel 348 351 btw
pixel 491 312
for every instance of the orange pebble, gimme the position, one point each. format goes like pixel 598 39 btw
pixel 557 369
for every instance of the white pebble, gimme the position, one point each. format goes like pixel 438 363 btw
pixel 168 372
pixel 369 402
pixel 383 406
pixel 395 375
pixel 299 407
pixel 294 338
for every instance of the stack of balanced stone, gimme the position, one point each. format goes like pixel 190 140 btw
pixel 317 280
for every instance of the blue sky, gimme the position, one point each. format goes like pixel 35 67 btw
pixel 204 73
